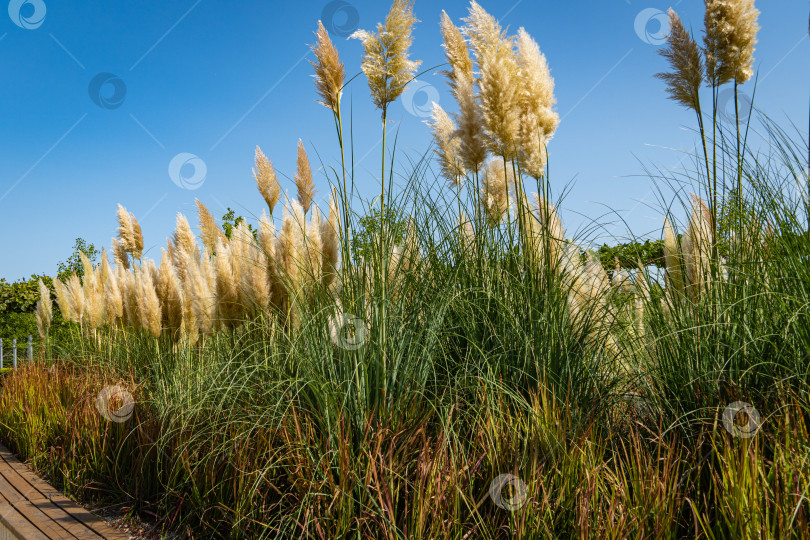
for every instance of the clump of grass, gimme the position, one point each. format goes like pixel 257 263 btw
pixel 285 388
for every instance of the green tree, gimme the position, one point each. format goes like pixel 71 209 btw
pixel 370 226
pixel 230 221
pixel 73 264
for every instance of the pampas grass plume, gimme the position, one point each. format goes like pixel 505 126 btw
pixel 686 64
pixel 303 179
pixel 538 121
pixel 266 180
pixel 448 145
pixel 329 70
pixel 386 61
pixel 456 52
pixel 44 310
pixel 731 34
pixel 210 231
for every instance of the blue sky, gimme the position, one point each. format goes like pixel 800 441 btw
pixel 213 79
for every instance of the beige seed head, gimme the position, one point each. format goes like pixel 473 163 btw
pixel 457 53
pixel 120 255
pixel 472 141
pixel 129 233
pixel 211 232
pixel 170 294
pixel 266 180
pixel 93 290
pixel 113 302
pixel 696 246
pixel 227 284
pixel 303 178
pixel 448 146
pixel 149 310
pixel 386 61
pixel 44 310
pixel 329 70
pixel 687 73
pixel 495 191
pixel 75 297
pixel 731 34
pixel 499 82
pixel 538 121
pixel 330 235
pixel 65 306
pixel 672 257
pixel 184 240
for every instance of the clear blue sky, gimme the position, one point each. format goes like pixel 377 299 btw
pixel 214 79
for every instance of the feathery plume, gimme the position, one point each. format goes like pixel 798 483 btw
pixel 386 62
pixel 44 310
pixel 290 246
pixel 457 53
pixel 495 191
pixel 129 233
pixel 147 299
pixel 303 179
pixel 211 232
pixel 227 284
pixel 75 297
pixel 119 254
pixel 184 240
pixel 93 289
pixel 314 247
pixel 731 34
pixel 538 121
pixel 267 242
pixel 113 303
pixel 683 54
pixel 499 82
pixel 330 236
pixel 472 141
pixel 329 70
pixel 65 306
pixel 672 257
pixel 266 180
pixel 447 145
pixel 170 294
pixel 697 248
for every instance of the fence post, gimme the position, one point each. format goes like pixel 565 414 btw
pixel 1 353
pixel 14 354
pixel 30 348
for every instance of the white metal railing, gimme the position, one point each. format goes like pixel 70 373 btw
pixel 29 352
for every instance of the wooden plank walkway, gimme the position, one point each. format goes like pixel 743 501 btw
pixel 30 508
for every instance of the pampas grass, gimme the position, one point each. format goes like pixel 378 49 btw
pixel 266 180
pixel 184 240
pixel 44 310
pixel 386 60
pixel 672 259
pixel 130 238
pixel 495 197
pixel 697 245
pixel 538 121
pixel 687 75
pixel 303 178
pixel 731 34
pixel 457 53
pixel 210 231
pixel 147 299
pixel 448 146
pixel 329 70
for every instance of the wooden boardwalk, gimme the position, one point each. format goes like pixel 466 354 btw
pixel 30 508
